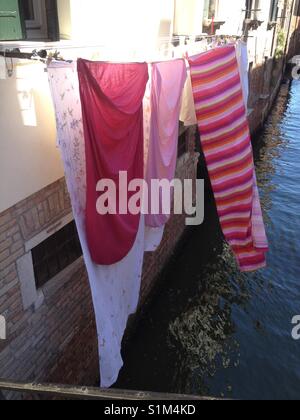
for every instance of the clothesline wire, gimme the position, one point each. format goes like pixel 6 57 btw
pixel 42 55
pixel 51 46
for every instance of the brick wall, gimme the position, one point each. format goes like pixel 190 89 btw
pixel 37 338
pixel 265 81
pixel 55 341
pixel 154 262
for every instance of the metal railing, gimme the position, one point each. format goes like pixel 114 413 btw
pixel 87 393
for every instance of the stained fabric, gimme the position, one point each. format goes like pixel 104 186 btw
pixel 111 98
pixel 226 144
pixel 115 289
pixel 167 82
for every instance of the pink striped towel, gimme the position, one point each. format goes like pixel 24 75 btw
pixel 226 144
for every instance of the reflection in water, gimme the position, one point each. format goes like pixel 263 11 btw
pixel 203 334
pixel 214 331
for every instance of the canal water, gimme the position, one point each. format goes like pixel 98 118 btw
pixel 213 331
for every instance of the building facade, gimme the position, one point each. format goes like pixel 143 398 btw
pixel 44 293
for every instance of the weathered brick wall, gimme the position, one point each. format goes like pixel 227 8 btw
pixel 38 339
pixel 154 262
pixel 56 341
pixel 265 80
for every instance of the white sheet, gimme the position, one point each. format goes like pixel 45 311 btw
pixel 115 289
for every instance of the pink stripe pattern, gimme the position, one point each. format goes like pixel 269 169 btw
pixel 226 143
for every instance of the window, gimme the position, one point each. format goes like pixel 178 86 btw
pixel 214 15
pixel 249 9
pixel 253 9
pixel 274 11
pixel 35 20
pixel 254 17
pixel 209 9
pixel 11 22
pixel 55 254
pixel 297 8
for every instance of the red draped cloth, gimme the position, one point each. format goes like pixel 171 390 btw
pixel 112 98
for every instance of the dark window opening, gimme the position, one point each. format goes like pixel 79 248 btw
pixel 249 8
pixel 28 8
pixel 55 254
pixel 274 11
pixel 297 8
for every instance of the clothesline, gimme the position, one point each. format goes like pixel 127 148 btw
pixel 65 45
pixel 169 55
pixel 42 53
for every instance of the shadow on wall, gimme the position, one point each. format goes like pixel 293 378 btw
pixel 29 157
pixel 27 94
pixel 294 48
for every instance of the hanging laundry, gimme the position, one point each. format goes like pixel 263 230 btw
pixel 188 113
pixel 167 82
pixel 111 97
pixel 227 147
pixel 115 289
pixel 243 62
pixel 153 236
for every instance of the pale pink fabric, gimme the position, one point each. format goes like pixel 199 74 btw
pixel 167 82
pixel 258 227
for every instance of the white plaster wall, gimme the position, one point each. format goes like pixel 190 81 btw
pixel 29 158
pixel 189 17
pixel 64 12
pixel 231 12
pixel 126 29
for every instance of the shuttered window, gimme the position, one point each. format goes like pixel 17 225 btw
pixel 11 21
pixel 34 20
pixel 274 10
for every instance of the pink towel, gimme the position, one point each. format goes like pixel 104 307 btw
pixel 226 143
pixel 168 79
pixel 112 106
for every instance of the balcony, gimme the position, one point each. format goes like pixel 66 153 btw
pixel 252 24
pixel 207 24
pixel 272 25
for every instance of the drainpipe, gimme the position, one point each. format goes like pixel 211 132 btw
pixel 246 28
pixel 273 40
